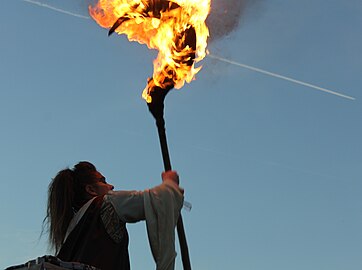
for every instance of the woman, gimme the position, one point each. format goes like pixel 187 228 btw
pixel 87 219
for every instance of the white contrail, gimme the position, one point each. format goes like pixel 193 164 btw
pixel 280 76
pixel 56 9
pixel 213 56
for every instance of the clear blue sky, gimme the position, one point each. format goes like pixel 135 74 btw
pixel 272 168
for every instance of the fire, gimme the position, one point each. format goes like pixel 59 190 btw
pixel 176 28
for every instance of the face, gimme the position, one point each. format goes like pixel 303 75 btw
pixel 100 187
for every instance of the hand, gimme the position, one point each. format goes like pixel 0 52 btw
pixel 170 176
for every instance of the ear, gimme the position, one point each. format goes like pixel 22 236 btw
pixel 91 190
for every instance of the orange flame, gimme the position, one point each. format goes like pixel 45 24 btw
pixel 176 28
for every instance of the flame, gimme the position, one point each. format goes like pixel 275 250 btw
pixel 176 28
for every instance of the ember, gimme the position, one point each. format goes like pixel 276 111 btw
pixel 176 28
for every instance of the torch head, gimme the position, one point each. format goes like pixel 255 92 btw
pixel 158 94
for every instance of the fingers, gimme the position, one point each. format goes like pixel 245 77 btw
pixel 171 176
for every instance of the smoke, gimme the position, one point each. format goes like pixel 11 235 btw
pixel 225 17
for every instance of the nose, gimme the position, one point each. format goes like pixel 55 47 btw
pixel 111 187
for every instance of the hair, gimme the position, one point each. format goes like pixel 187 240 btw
pixel 66 195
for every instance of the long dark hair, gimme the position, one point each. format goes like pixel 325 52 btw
pixel 66 194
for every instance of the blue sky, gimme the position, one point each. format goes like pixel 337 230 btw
pixel 272 168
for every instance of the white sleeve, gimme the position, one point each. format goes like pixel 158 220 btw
pixel 129 205
pixel 162 209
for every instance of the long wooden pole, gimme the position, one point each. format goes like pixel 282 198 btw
pixel 156 108
pixel 167 165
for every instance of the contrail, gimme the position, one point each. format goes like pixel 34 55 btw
pixel 56 9
pixel 280 76
pixel 214 56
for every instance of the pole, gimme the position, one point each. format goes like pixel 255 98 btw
pixel 156 108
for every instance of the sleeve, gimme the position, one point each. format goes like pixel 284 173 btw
pixel 162 209
pixel 129 205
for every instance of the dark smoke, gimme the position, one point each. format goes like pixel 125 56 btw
pixel 225 17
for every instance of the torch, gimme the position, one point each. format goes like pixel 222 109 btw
pixel 156 106
pixel 177 29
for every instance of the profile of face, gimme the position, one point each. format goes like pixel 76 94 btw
pixel 99 187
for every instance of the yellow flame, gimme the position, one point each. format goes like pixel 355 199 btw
pixel 176 28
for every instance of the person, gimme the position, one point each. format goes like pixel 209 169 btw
pixel 87 219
